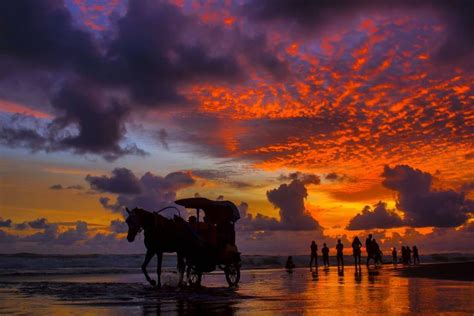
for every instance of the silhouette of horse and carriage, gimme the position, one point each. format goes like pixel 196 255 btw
pixel 201 244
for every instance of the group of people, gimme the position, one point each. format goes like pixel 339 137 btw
pixel 374 253
pixel 325 252
pixel 406 255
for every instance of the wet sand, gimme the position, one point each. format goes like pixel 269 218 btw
pixel 459 271
pixel 266 291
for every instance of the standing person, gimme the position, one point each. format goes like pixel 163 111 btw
pixel 416 257
pixel 325 252
pixel 314 256
pixel 377 252
pixel 404 255
pixel 340 253
pixel 369 248
pixel 356 245
pixel 394 255
pixel 408 250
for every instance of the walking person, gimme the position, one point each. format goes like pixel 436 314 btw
pixel 325 251
pixel 369 248
pixel 314 256
pixel 416 257
pixel 377 252
pixel 356 246
pixel 394 255
pixel 340 254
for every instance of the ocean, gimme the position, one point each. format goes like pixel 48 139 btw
pixel 114 285
pixel 27 264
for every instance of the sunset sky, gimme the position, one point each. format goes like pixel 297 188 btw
pixel 319 119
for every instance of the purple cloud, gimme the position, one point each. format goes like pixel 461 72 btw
pixel 377 217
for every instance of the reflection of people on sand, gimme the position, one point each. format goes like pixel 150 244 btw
pixel 325 252
pixel 394 255
pixel 289 266
pixel 416 257
pixel 356 245
pixel 314 255
pixel 358 275
pixel 340 254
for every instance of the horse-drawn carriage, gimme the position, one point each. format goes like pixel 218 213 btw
pixel 201 244
pixel 216 233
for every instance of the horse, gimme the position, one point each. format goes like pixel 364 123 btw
pixel 161 235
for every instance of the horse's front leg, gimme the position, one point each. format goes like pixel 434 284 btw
pixel 149 255
pixel 181 267
pixel 158 267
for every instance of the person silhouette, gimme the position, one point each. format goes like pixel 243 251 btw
pixel 369 249
pixel 314 256
pixel 404 255
pixel 377 252
pixel 289 266
pixel 340 254
pixel 356 245
pixel 325 252
pixel 394 255
pixel 416 257
pixel 408 251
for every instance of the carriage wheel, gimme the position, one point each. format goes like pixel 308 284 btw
pixel 194 277
pixel 232 274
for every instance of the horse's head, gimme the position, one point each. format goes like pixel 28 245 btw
pixel 134 224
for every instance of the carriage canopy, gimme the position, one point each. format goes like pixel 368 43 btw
pixel 215 211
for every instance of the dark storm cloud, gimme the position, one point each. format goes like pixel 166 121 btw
pixel 122 181
pixel 51 235
pixel 40 223
pixel 56 187
pixel 86 123
pixel 150 192
pixel 377 217
pixel 15 137
pixel 289 199
pixel 422 205
pixel 304 178
pixel 42 34
pixel 150 54
pixel 310 15
pixel 100 122
pixel 154 51
pixel 332 176
pixel 5 222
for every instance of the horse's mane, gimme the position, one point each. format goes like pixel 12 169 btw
pixel 157 218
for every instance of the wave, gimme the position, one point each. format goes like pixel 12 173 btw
pixel 29 264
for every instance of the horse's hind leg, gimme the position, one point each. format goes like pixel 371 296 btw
pixel 158 267
pixel 181 267
pixel 149 255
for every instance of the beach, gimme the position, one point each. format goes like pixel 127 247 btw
pixel 386 289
